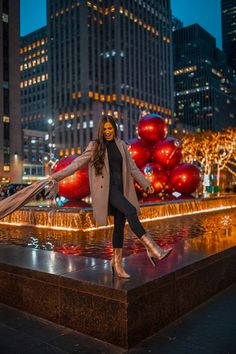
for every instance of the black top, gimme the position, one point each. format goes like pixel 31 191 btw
pixel 114 158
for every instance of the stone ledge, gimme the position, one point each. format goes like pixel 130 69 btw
pixel 80 292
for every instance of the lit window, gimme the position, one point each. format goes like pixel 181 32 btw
pixel 6 119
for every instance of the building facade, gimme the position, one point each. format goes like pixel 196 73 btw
pixel 36 155
pixel 34 80
pixel 176 23
pixel 110 57
pixel 204 83
pixel 228 20
pixel 10 125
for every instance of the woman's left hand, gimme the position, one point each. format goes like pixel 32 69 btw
pixel 150 190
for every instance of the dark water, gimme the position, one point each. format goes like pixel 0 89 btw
pixel 98 243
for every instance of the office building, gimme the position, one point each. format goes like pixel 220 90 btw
pixel 228 20
pixel 176 23
pixel 36 155
pixel 10 125
pixel 204 83
pixel 107 57
pixel 34 80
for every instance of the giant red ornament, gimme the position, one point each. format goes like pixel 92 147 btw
pixel 167 152
pixel 140 151
pixel 156 175
pixel 185 178
pixel 168 188
pixel 152 128
pixel 74 187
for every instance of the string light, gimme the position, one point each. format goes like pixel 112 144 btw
pixel 211 149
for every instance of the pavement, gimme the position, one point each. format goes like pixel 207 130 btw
pixel 208 329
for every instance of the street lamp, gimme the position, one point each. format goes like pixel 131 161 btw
pixel 52 145
pixel 50 121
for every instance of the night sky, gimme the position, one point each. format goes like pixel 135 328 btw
pixel 204 12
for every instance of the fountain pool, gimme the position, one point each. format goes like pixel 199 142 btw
pixel 97 243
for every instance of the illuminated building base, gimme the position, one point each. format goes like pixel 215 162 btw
pixel 82 218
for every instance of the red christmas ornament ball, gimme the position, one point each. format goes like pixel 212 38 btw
pixel 139 151
pixel 74 187
pixel 156 175
pixel 152 128
pixel 168 188
pixel 167 152
pixel 185 178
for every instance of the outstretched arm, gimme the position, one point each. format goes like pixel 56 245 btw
pixel 75 165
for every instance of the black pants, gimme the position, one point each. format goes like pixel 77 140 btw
pixel 122 209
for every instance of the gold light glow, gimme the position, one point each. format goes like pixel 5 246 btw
pixel 74 220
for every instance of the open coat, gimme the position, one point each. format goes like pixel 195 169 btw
pixel 100 185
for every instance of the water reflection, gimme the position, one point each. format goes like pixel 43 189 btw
pixel 98 243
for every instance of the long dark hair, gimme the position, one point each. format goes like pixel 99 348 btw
pixel 100 143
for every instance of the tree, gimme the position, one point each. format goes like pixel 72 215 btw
pixel 211 149
pixel 199 147
pixel 224 150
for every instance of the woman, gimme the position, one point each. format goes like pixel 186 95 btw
pixel 111 173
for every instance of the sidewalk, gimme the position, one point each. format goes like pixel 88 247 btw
pixel 209 329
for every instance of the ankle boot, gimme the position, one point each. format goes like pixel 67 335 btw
pixel 117 268
pixel 153 250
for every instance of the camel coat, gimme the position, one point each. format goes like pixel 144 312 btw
pixel 99 185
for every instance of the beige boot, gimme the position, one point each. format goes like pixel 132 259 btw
pixel 117 268
pixel 153 250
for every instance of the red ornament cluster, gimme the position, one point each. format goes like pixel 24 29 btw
pixel 159 157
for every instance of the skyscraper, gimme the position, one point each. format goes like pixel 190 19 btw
pixel 204 83
pixel 34 80
pixel 176 23
pixel 10 125
pixel 228 16
pixel 107 57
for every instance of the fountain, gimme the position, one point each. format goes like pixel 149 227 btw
pixel 74 286
pixel 81 219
